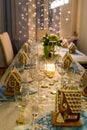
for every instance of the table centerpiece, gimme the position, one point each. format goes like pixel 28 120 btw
pixel 49 42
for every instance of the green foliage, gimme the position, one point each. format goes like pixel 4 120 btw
pixel 49 38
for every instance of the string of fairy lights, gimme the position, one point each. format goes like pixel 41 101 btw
pixel 34 15
pixel 22 20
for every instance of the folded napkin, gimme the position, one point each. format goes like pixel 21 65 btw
pixel 47 121
pixel 78 53
pixel 4 98
pixel 75 68
pixel 30 66
pixel 18 65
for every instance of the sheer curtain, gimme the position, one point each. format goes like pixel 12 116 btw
pixel 15 13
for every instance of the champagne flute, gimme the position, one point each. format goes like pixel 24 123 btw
pixel 21 103
pixel 35 112
pixel 61 71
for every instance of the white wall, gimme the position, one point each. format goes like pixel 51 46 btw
pixel 68 27
pixel 82 43
pixel 77 22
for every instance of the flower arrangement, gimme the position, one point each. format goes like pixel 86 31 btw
pixel 51 39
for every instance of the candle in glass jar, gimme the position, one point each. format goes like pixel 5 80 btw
pixel 50 69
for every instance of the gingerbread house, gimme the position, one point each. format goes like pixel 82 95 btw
pixel 65 43
pixel 67 60
pixel 68 106
pixel 23 58
pixel 13 83
pixel 26 48
pixel 72 48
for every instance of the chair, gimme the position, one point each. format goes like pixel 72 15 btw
pixel 2 63
pixel 6 47
pixel 41 33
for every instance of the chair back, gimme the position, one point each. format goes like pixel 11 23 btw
pixel 2 59
pixel 7 49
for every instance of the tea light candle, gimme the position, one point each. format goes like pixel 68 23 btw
pixel 50 69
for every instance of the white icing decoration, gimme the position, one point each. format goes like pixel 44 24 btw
pixel 60 118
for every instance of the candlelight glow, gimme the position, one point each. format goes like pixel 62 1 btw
pixel 50 70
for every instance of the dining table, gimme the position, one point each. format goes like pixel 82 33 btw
pixel 37 102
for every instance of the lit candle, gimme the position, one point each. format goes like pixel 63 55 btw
pixel 50 69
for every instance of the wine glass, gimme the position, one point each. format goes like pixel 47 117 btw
pixel 35 113
pixel 21 103
pixel 33 53
pixel 21 107
pixel 61 71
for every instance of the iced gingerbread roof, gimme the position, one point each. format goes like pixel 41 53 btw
pixel 72 47
pixel 67 60
pixel 22 57
pixel 72 97
pixel 67 56
pixel 26 47
pixel 15 73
